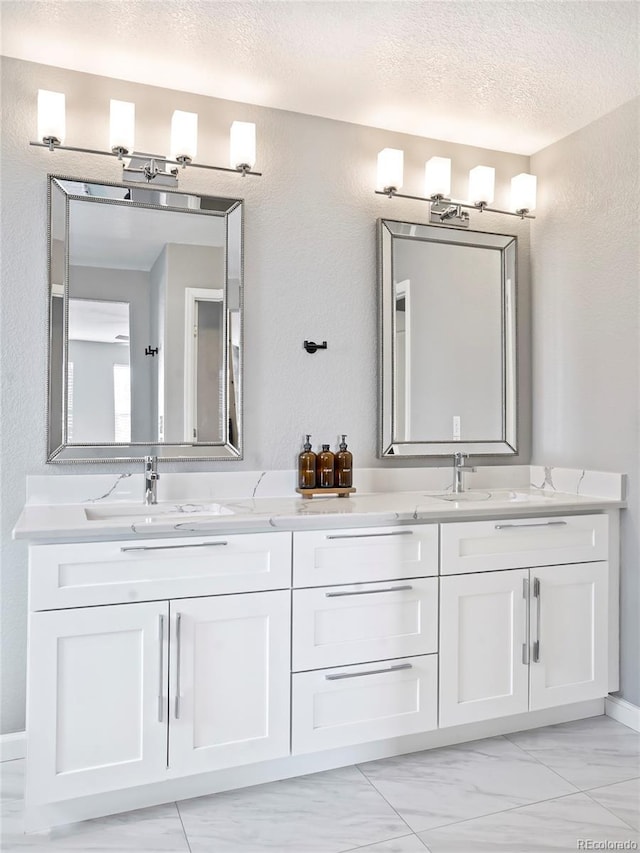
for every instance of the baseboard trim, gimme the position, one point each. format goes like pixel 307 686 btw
pixel 13 746
pixel 624 712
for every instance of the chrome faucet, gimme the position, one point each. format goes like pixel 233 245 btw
pixel 459 468
pixel 151 478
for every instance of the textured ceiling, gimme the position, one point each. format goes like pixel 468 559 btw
pixel 514 76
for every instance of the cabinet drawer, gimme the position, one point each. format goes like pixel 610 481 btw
pixel 364 622
pixel 357 704
pixel 513 543
pixel 349 556
pixel 113 572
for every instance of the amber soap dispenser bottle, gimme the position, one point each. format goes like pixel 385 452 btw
pixel 307 466
pixel 325 468
pixel 344 465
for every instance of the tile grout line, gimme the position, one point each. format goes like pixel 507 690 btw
pixel 502 811
pixel 542 764
pixel 366 778
pixel 365 847
pixel 186 837
pixel 602 805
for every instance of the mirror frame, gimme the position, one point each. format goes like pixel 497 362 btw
pixel 58 450
pixel 388 448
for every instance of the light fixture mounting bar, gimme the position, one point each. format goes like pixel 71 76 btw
pixel 391 193
pixel 119 155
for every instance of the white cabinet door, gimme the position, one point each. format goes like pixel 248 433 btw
pixel 97 699
pixel 483 637
pixel 569 631
pixel 340 625
pixel 356 704
pixel 230 680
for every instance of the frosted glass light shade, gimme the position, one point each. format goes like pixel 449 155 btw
pixel 437 177
pixel 242 144
pixel 481 184
pixel 51 116
pixel 122 126
pixel 523 192
pixel 184 135
pixel 390 169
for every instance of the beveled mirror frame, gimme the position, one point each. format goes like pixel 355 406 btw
pixel 388 446
pixel 58 449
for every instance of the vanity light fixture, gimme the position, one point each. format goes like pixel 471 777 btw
pixel 242 145
pixel 122 127
pixel 438 187
pixel 390 169
pixel 146 167
pixel 51 118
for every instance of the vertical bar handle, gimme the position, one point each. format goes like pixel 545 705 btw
pixel 527 621
pixel 176 711
pixel 536 644
pixel 161 667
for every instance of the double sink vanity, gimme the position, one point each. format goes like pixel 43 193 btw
pixel 186 648
pixel 233 634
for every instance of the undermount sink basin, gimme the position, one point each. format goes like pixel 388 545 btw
pixel 478 496
pixel 157 512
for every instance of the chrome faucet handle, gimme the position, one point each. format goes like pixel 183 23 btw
pixel 151 478
pixel 459 463
pixel 151 467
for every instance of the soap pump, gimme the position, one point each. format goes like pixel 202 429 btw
pixel 344 465
pixel 307 466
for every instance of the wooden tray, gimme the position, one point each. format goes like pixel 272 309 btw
pixel 340 491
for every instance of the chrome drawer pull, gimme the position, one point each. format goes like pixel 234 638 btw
pixel 527 621
pixel 338 676
pixel 536 595
pixel 370 535
pixel 161 681
pixel 171 547
pixel 368 591
pixel 533 524
pixel 178 639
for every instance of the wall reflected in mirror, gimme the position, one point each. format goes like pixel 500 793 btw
pixel 146 323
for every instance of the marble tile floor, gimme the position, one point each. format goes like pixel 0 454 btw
pixel 548 789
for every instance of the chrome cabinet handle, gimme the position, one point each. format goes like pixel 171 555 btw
pixel 161 677
pixel 537 596
pixel 171 547
pixel 527 621
pixel 338 676
pixel 532 524
pixel 176 711
pixel 369 535
pixel 368 591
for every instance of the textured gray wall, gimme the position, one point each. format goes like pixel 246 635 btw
pixel 585 327
pixel 310 273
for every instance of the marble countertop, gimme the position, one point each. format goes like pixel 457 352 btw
pixel 96 520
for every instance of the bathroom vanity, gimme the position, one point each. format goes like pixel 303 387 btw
pixel 182 650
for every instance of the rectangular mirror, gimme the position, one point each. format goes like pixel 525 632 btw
pixel 145 323
pixel 447 302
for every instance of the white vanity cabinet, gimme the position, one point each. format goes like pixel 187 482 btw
pixel 126 694
pixel 514 640
pixel 165 668
pixel 364 653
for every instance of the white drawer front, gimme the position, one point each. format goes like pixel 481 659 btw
pixel 349 556
pixel 115 572
pixel 357 704
pixel 513 543
pixel 364 622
